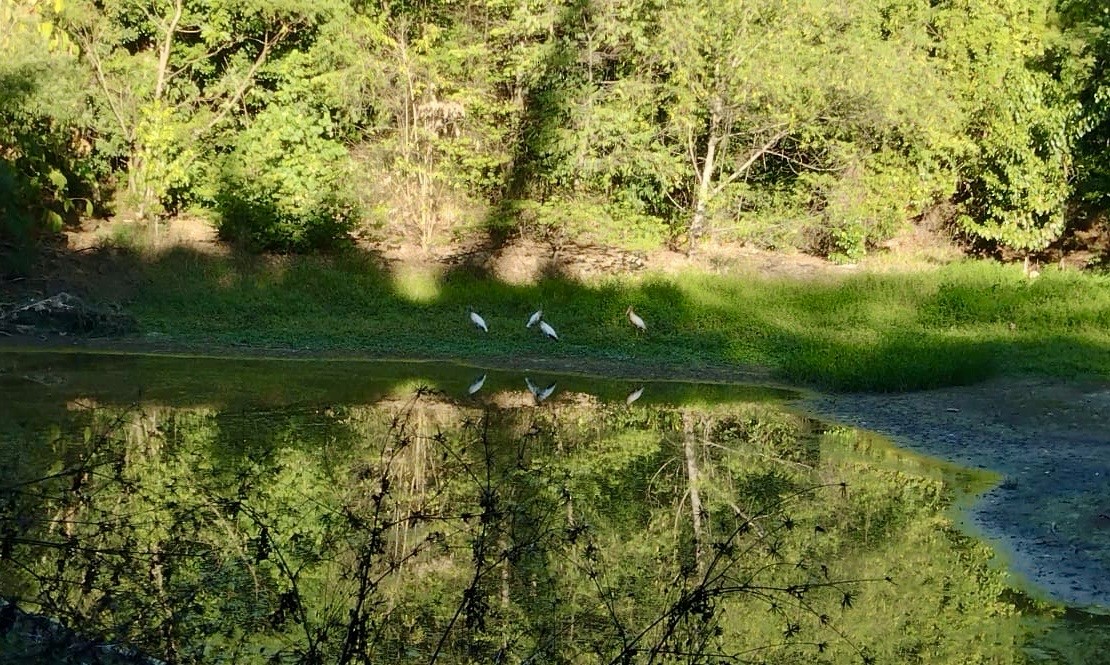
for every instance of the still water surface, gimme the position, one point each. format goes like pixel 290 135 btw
pixel 255 511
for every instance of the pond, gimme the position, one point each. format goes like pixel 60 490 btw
pixel 200 510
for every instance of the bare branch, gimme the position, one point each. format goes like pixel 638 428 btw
pixel 205 57
pixel 88 43
pixel 755 155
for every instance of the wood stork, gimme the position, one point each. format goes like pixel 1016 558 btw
pixel 633 396
pixel 477 320
pixel 546 328
pixel 532 320
pixel 635 319
pixel 476 386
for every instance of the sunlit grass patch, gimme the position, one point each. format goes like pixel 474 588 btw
pixel 418 286
pixel 893 331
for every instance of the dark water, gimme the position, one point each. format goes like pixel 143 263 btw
pixel 253 511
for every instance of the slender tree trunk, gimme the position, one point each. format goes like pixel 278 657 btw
pixel 164 50
pixel 705 179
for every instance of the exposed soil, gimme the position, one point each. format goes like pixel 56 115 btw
pixel 522 260
pixel 1050 442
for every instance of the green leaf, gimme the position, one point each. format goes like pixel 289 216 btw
pixel 57 179
pixel 53 220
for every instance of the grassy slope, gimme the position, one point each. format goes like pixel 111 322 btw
pixel 953 325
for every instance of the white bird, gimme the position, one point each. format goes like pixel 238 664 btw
pixel 536 316
pixel 548 330
pixel 531 387
pixel 477 320
pixel 476 386
pixel 635 319
pixel 633 396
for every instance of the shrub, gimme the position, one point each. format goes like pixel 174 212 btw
pixel 282 187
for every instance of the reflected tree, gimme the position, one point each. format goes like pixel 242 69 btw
pixel 416 531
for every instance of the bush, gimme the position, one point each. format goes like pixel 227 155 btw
pixel 282 188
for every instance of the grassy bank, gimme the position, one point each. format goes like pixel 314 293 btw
pixel 954 325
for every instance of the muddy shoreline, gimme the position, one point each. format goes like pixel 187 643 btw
pixel 1049 517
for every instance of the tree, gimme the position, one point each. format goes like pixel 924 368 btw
pixel 435 143
pixel 170 74
pixel 1014 179
pixel 1084 62
pixel 48 169
pixel 284 187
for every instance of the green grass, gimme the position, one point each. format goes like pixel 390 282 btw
pixel 954 325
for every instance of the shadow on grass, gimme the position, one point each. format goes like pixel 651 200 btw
pixel 954 326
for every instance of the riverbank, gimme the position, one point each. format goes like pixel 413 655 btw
pixel 834 329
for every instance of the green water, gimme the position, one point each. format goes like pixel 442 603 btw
pixel 254 511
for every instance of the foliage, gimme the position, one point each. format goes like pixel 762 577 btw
pixel 49 172
pixel 439 142
pixel 169 76
pixel 818 125
pixel 283 186
pixel 1014 185
pixel 1083 61
pixel 418 531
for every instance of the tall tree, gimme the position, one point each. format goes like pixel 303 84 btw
pixel 47 167
pixel 1085 63
pixel 171 72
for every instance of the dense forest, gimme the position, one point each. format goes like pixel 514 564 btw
pixel 784 123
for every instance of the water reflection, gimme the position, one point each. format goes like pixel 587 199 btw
pixel 425 527
pixel 34 381
pixel 634 395
pixel 477 385
pixel 539 394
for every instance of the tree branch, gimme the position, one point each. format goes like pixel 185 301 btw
pixel 756 154
pixel 234 98
pixel 165 48
pixel 90 52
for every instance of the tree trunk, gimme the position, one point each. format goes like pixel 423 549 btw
pixel 705 178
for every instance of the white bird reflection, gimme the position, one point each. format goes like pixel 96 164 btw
pixel 476 386
pixel 539 395
pixel 633 396
pixel 546 392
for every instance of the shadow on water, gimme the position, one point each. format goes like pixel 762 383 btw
pixel 335 512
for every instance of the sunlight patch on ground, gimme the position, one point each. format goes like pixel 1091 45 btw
pixel 416 285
